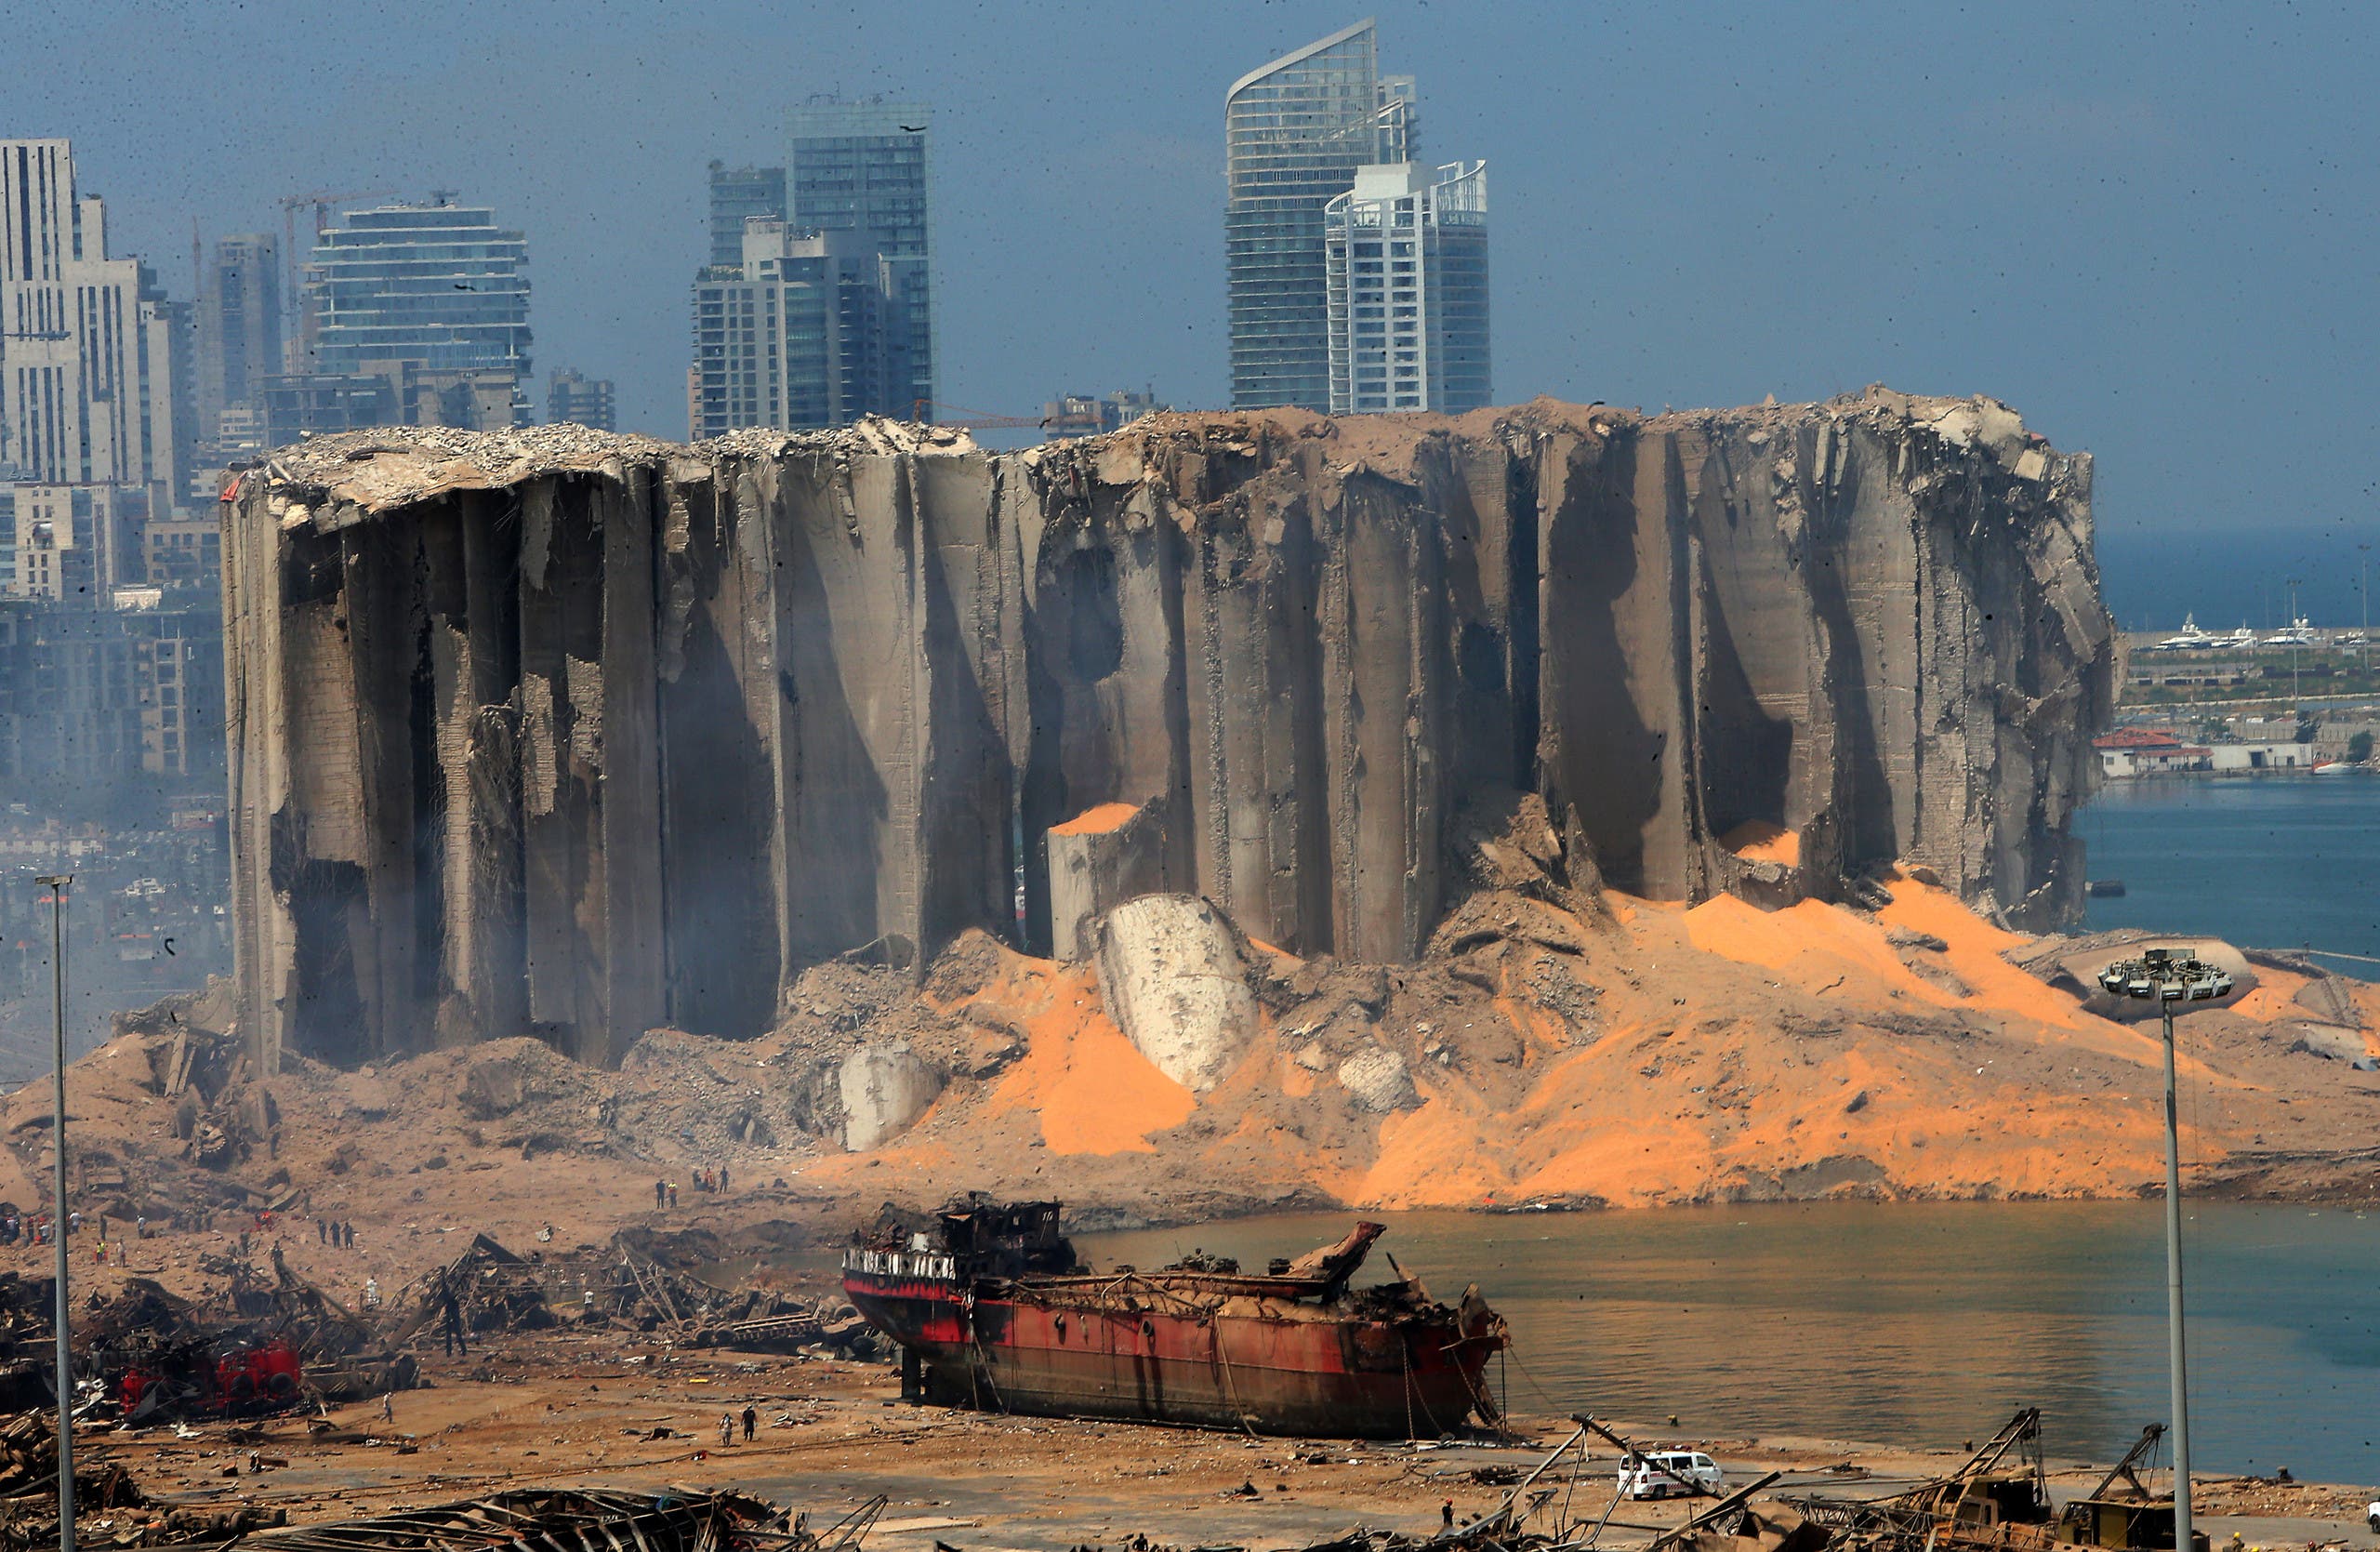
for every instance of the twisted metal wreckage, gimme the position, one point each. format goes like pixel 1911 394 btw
pixel 992 1310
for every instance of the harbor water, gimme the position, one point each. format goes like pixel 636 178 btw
pixel 2267 862
pixel 1924 1323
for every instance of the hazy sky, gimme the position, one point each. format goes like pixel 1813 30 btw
pixel 2152 229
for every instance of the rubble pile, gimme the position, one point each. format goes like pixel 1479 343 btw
pixel 28 1484
pixel 620 1286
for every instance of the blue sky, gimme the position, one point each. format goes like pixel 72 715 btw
pixel 2150 228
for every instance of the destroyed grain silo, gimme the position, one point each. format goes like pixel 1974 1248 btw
pixel 575 734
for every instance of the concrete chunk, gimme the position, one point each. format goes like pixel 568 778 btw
pixel 1170 973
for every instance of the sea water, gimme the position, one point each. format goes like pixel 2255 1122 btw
pixel 1922 1323
pixel 2283 861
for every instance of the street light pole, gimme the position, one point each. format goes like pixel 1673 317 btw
pixel 2167 977
pixel 2178 1361
pixel 57 883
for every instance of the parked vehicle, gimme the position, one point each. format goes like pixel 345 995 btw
pixel 1668 1473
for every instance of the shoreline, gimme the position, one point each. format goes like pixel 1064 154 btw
pixel 570 1409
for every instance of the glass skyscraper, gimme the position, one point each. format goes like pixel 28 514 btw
pixel 435 293
pixel 737 193
pixel 1294 132
pixel 797 337
pixel 865 167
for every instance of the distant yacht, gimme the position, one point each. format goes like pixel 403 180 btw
pixel 2241 638
pixel 2189 640
pixel 2300 633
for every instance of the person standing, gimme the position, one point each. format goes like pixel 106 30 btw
pixel 660 1195
pixel 451 1325
pixel 751 1421
pixel 726 1430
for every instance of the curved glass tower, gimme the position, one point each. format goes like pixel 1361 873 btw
pixel 1294 133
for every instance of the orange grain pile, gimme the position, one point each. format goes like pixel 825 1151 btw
pixel 1758 841
pixel 1092 1092
pixel 1096 821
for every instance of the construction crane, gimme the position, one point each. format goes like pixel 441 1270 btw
pixel 322 200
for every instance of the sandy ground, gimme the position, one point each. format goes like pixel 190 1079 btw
pixel 564 1409
pixel 1641 1056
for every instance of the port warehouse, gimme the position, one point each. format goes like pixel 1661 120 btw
pixel 2144 751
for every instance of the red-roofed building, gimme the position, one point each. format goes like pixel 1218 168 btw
pixel 2133 751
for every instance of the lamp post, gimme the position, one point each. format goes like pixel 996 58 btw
pixel 2168 976
pixel 57 884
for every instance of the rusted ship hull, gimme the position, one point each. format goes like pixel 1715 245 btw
pixel 1135 1349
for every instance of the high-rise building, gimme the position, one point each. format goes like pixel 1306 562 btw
pixel 92 697
pixel 1405 253
pixel 239 327
pixel 798 337
pixel 78 543
pixel 318 404
pixel 433 298
pixel 866 167
pixel 1294 133
pixel 737 194
pixel 87 342
pixel 575 400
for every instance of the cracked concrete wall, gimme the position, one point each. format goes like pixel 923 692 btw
pixel 572 735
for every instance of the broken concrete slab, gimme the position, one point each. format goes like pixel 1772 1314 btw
pixel 884 1090
pixel 1170 975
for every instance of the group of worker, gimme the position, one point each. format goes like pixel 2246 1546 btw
pixel 664 1192
pixel 39 1229
pixel 727 1426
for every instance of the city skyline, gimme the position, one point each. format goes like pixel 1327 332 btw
pixel 2093 217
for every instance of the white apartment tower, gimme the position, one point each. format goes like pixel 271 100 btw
pixel 86 340
pixel 1406 259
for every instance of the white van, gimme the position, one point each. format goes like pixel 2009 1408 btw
pixel 1664 1473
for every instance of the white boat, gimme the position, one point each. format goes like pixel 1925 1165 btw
pixel 2334 767
pixel 2190 640
pixel 2300 633
pixel 2243 637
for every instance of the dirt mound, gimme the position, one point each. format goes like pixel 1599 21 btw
pixel 1621 1053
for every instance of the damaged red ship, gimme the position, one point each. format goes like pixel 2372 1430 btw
pixel 992 1310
